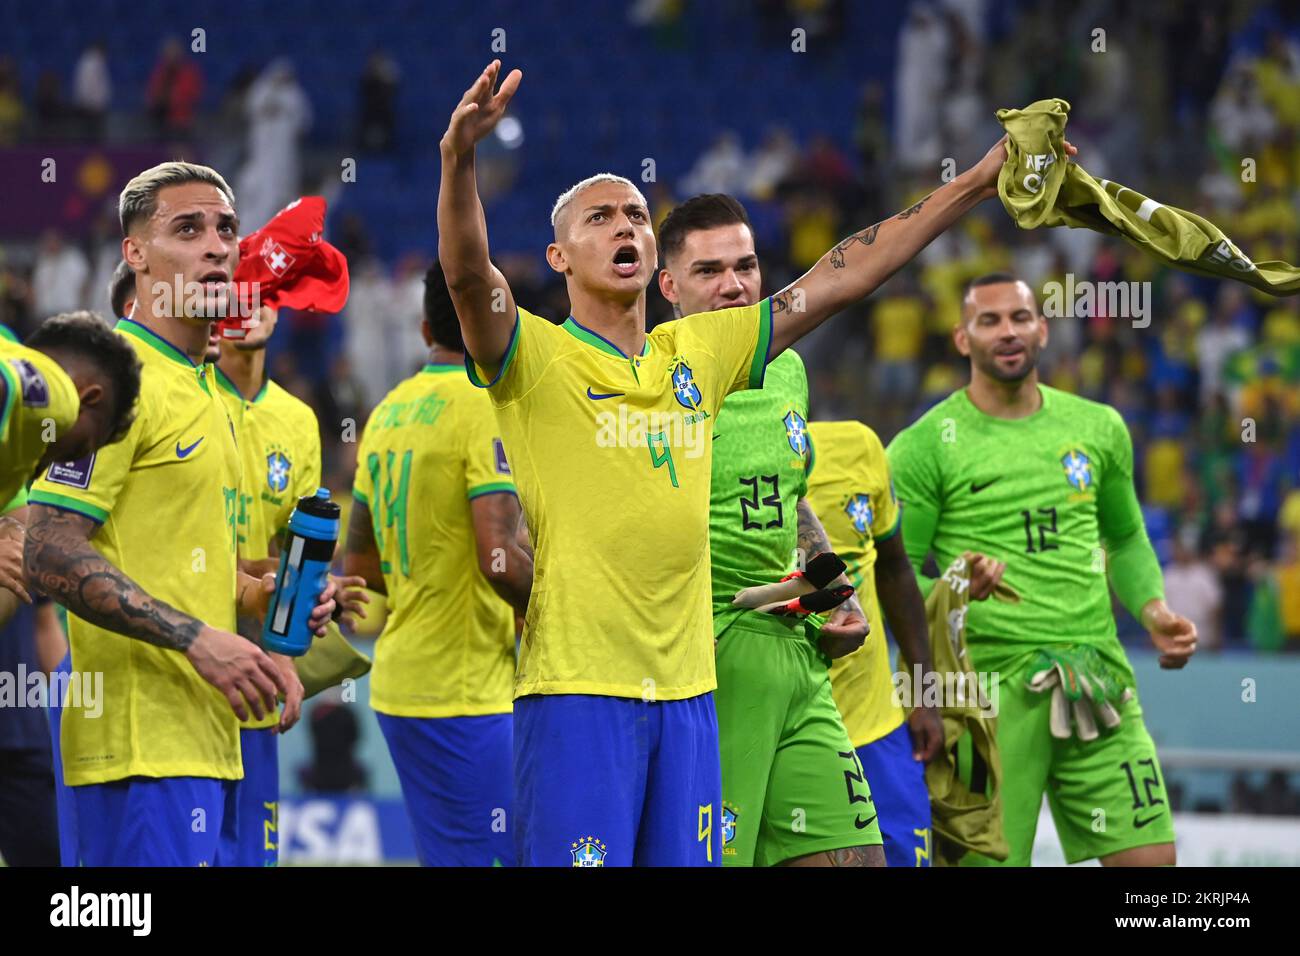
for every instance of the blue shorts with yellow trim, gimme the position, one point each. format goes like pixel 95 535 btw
pixel 614 781
pixel 902 800
pixel 257 801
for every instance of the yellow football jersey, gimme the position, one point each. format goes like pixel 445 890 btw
pixel 613 456
pixel 448 648
pixel 850 489
pixel 279 457
pixel 39 401
pixel 165 500
pixel 279 454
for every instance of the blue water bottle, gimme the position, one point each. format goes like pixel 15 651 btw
pixel 304 565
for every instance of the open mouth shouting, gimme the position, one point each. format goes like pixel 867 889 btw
pixel 627 261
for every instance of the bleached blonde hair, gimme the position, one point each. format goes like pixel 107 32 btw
pixel 139 200
pixel 566 197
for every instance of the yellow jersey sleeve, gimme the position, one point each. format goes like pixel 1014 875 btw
pixel 486 469
pixel 532 348
pixel 91 485
pixel 739 341
pixel 39 401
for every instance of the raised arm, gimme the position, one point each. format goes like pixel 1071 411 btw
pixel 59 559
pixel 483 301
pixel 860 264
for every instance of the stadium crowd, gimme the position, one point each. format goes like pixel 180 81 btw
pixel 1208 387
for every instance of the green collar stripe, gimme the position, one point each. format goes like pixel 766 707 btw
pixel 224 382
pixel 11 398
pixel 505 362
pixel 434 368
pixel 763 350
pixel 596 340
pixel 147 335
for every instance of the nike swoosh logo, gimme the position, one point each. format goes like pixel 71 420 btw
pixel 976 489
pixel 863 824
pixel 185 452
pixel 595 397
pixel 1139 824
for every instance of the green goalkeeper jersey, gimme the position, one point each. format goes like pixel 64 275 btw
pixel 1050 494
pixel 760 471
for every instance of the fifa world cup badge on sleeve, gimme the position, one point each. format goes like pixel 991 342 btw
pixel 74 474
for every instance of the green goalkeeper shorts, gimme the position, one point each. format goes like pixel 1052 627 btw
pixel 791 782
pixel 1105 795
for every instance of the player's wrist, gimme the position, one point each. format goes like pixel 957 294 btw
pixel 1152 609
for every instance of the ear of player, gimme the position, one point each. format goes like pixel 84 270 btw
pixel 800 593
pixel 1084 690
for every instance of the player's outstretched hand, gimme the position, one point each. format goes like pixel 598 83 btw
pixel 985 573
pixel 293 695
pixel 1173 635
pixel 985 172
pixel 844 632
pixel 350 599
pixel 12 536
pixel 242 671
pixel 926 728
pixel 479 110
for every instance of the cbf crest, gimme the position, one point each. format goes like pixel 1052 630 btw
pixel 1078 469
pixel 278 467
pixel 860 513
pixel 588 851
pixel 796 432
pixel 685 390
pixel 729 816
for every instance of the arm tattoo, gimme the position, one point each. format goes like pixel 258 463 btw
pixel 911 211
pixel 59 560
pixel 849 856
pixel 361 550
pixel 812 536
pixel 866 237
pixel 781 301
pixel 813 540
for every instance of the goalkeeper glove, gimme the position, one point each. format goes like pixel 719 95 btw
pixel 1083 688
pixel 800 592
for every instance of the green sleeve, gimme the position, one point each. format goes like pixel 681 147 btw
pixel 1131 564
pixel 916 481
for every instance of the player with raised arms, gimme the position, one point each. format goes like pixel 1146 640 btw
pixel 616 750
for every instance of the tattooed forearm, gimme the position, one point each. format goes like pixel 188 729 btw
pixel 59 559
pixel 866 237
pixel 912 210
pixel 812 536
